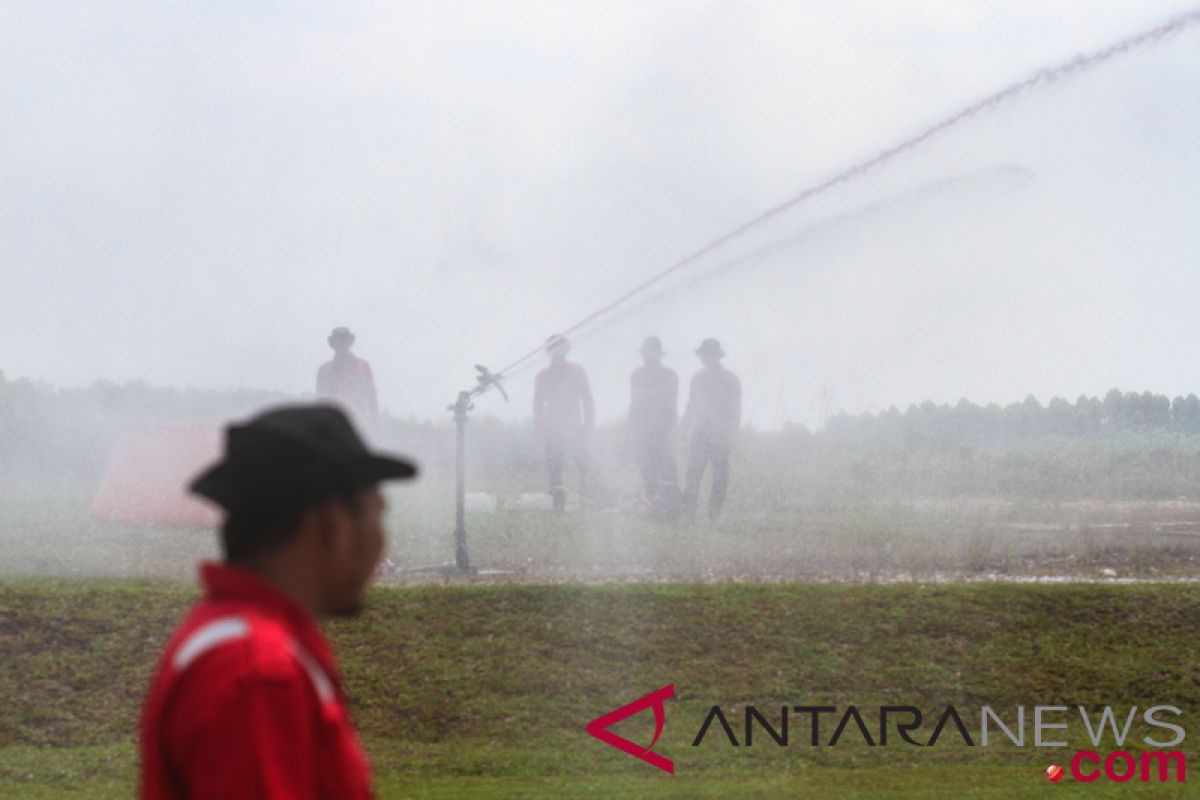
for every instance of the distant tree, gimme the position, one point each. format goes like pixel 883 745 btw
pixel 1114 410
pixel 797 430
pixel 1136 409
pixel 1185 414
pixel 1025 418
pixel 967 420
pixel 1060 417
pixel 1089 414
pixel 1156 410
pixel 966 424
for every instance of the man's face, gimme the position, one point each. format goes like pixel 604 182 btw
pixel 711 361
pixel 650 358
pixel 356 543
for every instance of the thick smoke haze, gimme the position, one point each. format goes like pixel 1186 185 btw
pixel 194 195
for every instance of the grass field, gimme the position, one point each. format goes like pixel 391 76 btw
pixel 46 533
pixel 484 691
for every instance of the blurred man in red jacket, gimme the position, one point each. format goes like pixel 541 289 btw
pixel 246 701
pixel 563 414
pixel 347 380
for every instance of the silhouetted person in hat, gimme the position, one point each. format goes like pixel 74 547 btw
pixel 713 416
pixel 563 415
pixel 347 380
pixel 653 412
pixel 246 700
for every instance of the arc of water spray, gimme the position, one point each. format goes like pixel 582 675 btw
pixel 1013 176
pixel 1042 77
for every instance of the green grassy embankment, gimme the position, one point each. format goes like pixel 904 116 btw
pixel 484 691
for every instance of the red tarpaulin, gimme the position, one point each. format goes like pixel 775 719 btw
pixel 147 475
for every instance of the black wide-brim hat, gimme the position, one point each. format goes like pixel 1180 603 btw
pixel 291 457
pixel 341 335
pixel 653 346
pixel 710 347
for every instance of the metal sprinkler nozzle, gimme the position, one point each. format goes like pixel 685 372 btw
pixel 486 378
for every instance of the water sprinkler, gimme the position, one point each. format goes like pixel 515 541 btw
pixel 484 380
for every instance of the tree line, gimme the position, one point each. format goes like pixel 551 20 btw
pixel 966 422
pixel 65 427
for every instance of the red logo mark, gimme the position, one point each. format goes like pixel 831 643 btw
pixel 599 727
pixel 1054 772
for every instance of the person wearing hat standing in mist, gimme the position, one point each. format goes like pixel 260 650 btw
pixel 246 701
pixel 653 412
pixel 713 417
pixel 347 380
pixel 563 415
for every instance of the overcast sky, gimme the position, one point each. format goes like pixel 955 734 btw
pixel 194 194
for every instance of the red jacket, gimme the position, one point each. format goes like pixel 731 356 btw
pixel 654 399
pixel 714 406
pixel 246 703
pixel 562 400
pixel 348 380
